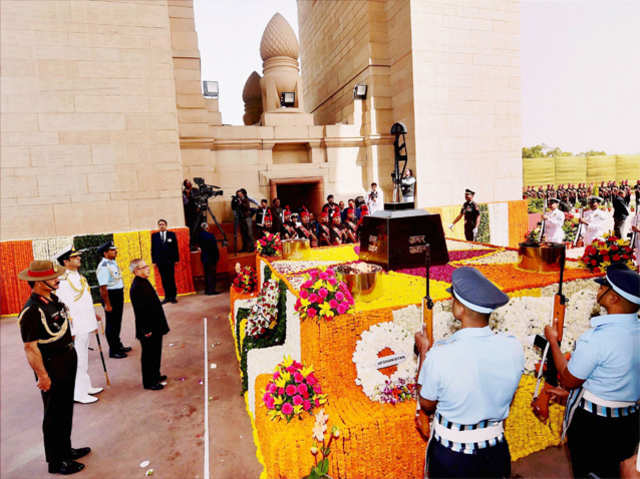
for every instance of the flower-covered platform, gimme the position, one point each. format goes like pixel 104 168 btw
pixel 370 403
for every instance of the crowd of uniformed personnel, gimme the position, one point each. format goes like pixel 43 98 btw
pixel 578 193
pixel 336 223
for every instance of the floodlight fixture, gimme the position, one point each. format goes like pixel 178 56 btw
pixel 360 91
pixel 210 88
pixel 287 98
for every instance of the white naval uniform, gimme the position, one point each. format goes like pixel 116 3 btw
pixel 376 205
pixel 75 293
pixel 635 221
pixel 553 226
pixel 598 225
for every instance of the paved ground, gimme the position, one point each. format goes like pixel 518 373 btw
pixel 129 424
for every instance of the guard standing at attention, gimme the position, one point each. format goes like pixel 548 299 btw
pixel 469 380
pixel 471 214
pixel 44 326
pixel 75 293
pixel 165 255
pixel 112 293
pixel 602 417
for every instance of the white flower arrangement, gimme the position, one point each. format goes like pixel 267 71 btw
pixel 377 338
pixel 291 267
pixel 522 317
pixel 264 312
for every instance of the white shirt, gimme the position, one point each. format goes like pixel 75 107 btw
pixel 376 205
pixel 636 222
pixel 76 295
pixel 553 226
pixel 598 225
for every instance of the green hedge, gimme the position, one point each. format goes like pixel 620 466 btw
pixel 484 235
pixel 90 259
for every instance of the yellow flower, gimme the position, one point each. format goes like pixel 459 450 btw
pixel 306 371
pixel 287 361
pixel 325 310
pixel 277 400
pixel 281 382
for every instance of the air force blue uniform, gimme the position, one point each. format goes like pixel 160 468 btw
pixel 602 418
pixel 473 376
pixel 109 275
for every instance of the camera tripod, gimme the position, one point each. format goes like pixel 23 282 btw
pixel 202 218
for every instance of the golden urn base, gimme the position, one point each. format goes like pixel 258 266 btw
pixel 543 258
pixel 359 277
pixel 294 248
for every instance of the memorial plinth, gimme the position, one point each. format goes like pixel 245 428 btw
pixel 397 239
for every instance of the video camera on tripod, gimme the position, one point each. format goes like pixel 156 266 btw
pixel 200 198
pixel 204 192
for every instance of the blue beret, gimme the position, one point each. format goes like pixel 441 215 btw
pixel 623 281
pixel 472 289
pixel 105 246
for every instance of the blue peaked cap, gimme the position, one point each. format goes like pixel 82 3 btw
pixel 105 246
pixel 623 281
pixel 472 289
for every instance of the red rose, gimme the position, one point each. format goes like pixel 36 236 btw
pixel 614 247
pixel 606 258
pixel 594 262
pixel 596 270
pixel 616 257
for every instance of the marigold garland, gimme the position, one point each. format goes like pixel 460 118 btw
pixel 382 433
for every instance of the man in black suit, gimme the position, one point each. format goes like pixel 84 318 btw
pixel 209 256
pixel 151 324
pixel 261 217
pixel 620 211
pixel 164 253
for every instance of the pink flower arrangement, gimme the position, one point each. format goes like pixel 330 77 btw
pixel 292 391
pixel 322 296
pixel 269 244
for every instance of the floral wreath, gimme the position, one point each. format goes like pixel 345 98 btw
pixel 375 384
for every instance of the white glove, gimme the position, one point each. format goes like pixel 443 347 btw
pixel 475 233
pixel 451 226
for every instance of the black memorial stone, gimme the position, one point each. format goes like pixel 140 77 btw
pixel 396 239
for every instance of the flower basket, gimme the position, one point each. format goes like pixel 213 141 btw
pixel 245 280
pixel 323 296
pixel 292 391
pixel 269 245
pixel 603 253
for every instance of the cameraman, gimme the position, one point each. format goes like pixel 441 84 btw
pixel 241 205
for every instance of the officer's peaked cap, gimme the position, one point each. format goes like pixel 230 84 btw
pixel 623 281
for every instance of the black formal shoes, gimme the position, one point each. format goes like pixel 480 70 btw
pixel 174 300
pixel 165 301
pixel 65 467
pixel 162 378
pixel 117 355
pixel 80 452
pixel 155 387
pixel 213 293
pixel 125 349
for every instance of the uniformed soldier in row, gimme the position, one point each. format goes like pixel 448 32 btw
pixel 554 219
pixel 469 380
pixel 596 221
pixel 112 293
pixel 471 214
pixel 45 330
pixel 602 418
pixel 75 293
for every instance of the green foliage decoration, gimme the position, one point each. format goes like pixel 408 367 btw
pixel 90 258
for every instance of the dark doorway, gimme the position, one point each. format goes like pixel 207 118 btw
pixel 297 192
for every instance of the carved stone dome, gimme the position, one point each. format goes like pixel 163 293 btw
pixel 251 89
pixel 278 39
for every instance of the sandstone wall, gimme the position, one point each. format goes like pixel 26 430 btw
pixel 466 94
pixel 89 123
pixel 448 69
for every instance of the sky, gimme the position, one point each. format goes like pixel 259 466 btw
pixel 580 66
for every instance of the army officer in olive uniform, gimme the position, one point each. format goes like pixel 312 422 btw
pixel 44 326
